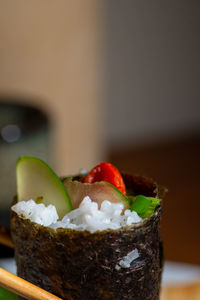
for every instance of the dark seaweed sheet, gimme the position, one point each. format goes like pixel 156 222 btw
pixel 81 265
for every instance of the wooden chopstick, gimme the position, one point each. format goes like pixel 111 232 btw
pixel 24 288
pixel 5 237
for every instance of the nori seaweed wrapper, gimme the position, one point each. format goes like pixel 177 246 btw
pixel 79 265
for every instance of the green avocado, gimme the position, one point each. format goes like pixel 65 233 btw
pixel 37 181
pixel 98 192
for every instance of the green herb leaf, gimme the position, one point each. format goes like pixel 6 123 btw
pixel 154 203
pixel 145 206
pixel 39 200
pixel 141 204
pixel 66 179
pixel 131 199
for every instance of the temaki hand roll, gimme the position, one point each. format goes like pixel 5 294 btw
pixel 90 236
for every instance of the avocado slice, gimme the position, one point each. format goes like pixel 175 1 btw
pixel 98 192
pixel 36 180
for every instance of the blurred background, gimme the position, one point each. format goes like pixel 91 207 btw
pixel 106 80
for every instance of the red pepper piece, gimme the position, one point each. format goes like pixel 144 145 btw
pixel 105 171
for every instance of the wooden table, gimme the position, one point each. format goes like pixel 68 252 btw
pixel 181 292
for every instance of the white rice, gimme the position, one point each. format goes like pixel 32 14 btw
pixel 126 261
pixel 86 217
pixel 38 213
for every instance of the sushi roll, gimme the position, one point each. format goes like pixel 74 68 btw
pixel 101 241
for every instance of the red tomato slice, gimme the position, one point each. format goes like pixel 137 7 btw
pixel 107 172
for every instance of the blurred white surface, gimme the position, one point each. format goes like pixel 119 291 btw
pixel 8 264
pixel 179 273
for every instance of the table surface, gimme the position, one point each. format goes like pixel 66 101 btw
pixel 181 292
pixel 180 282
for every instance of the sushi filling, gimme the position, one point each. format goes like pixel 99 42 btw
pixel 86 217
